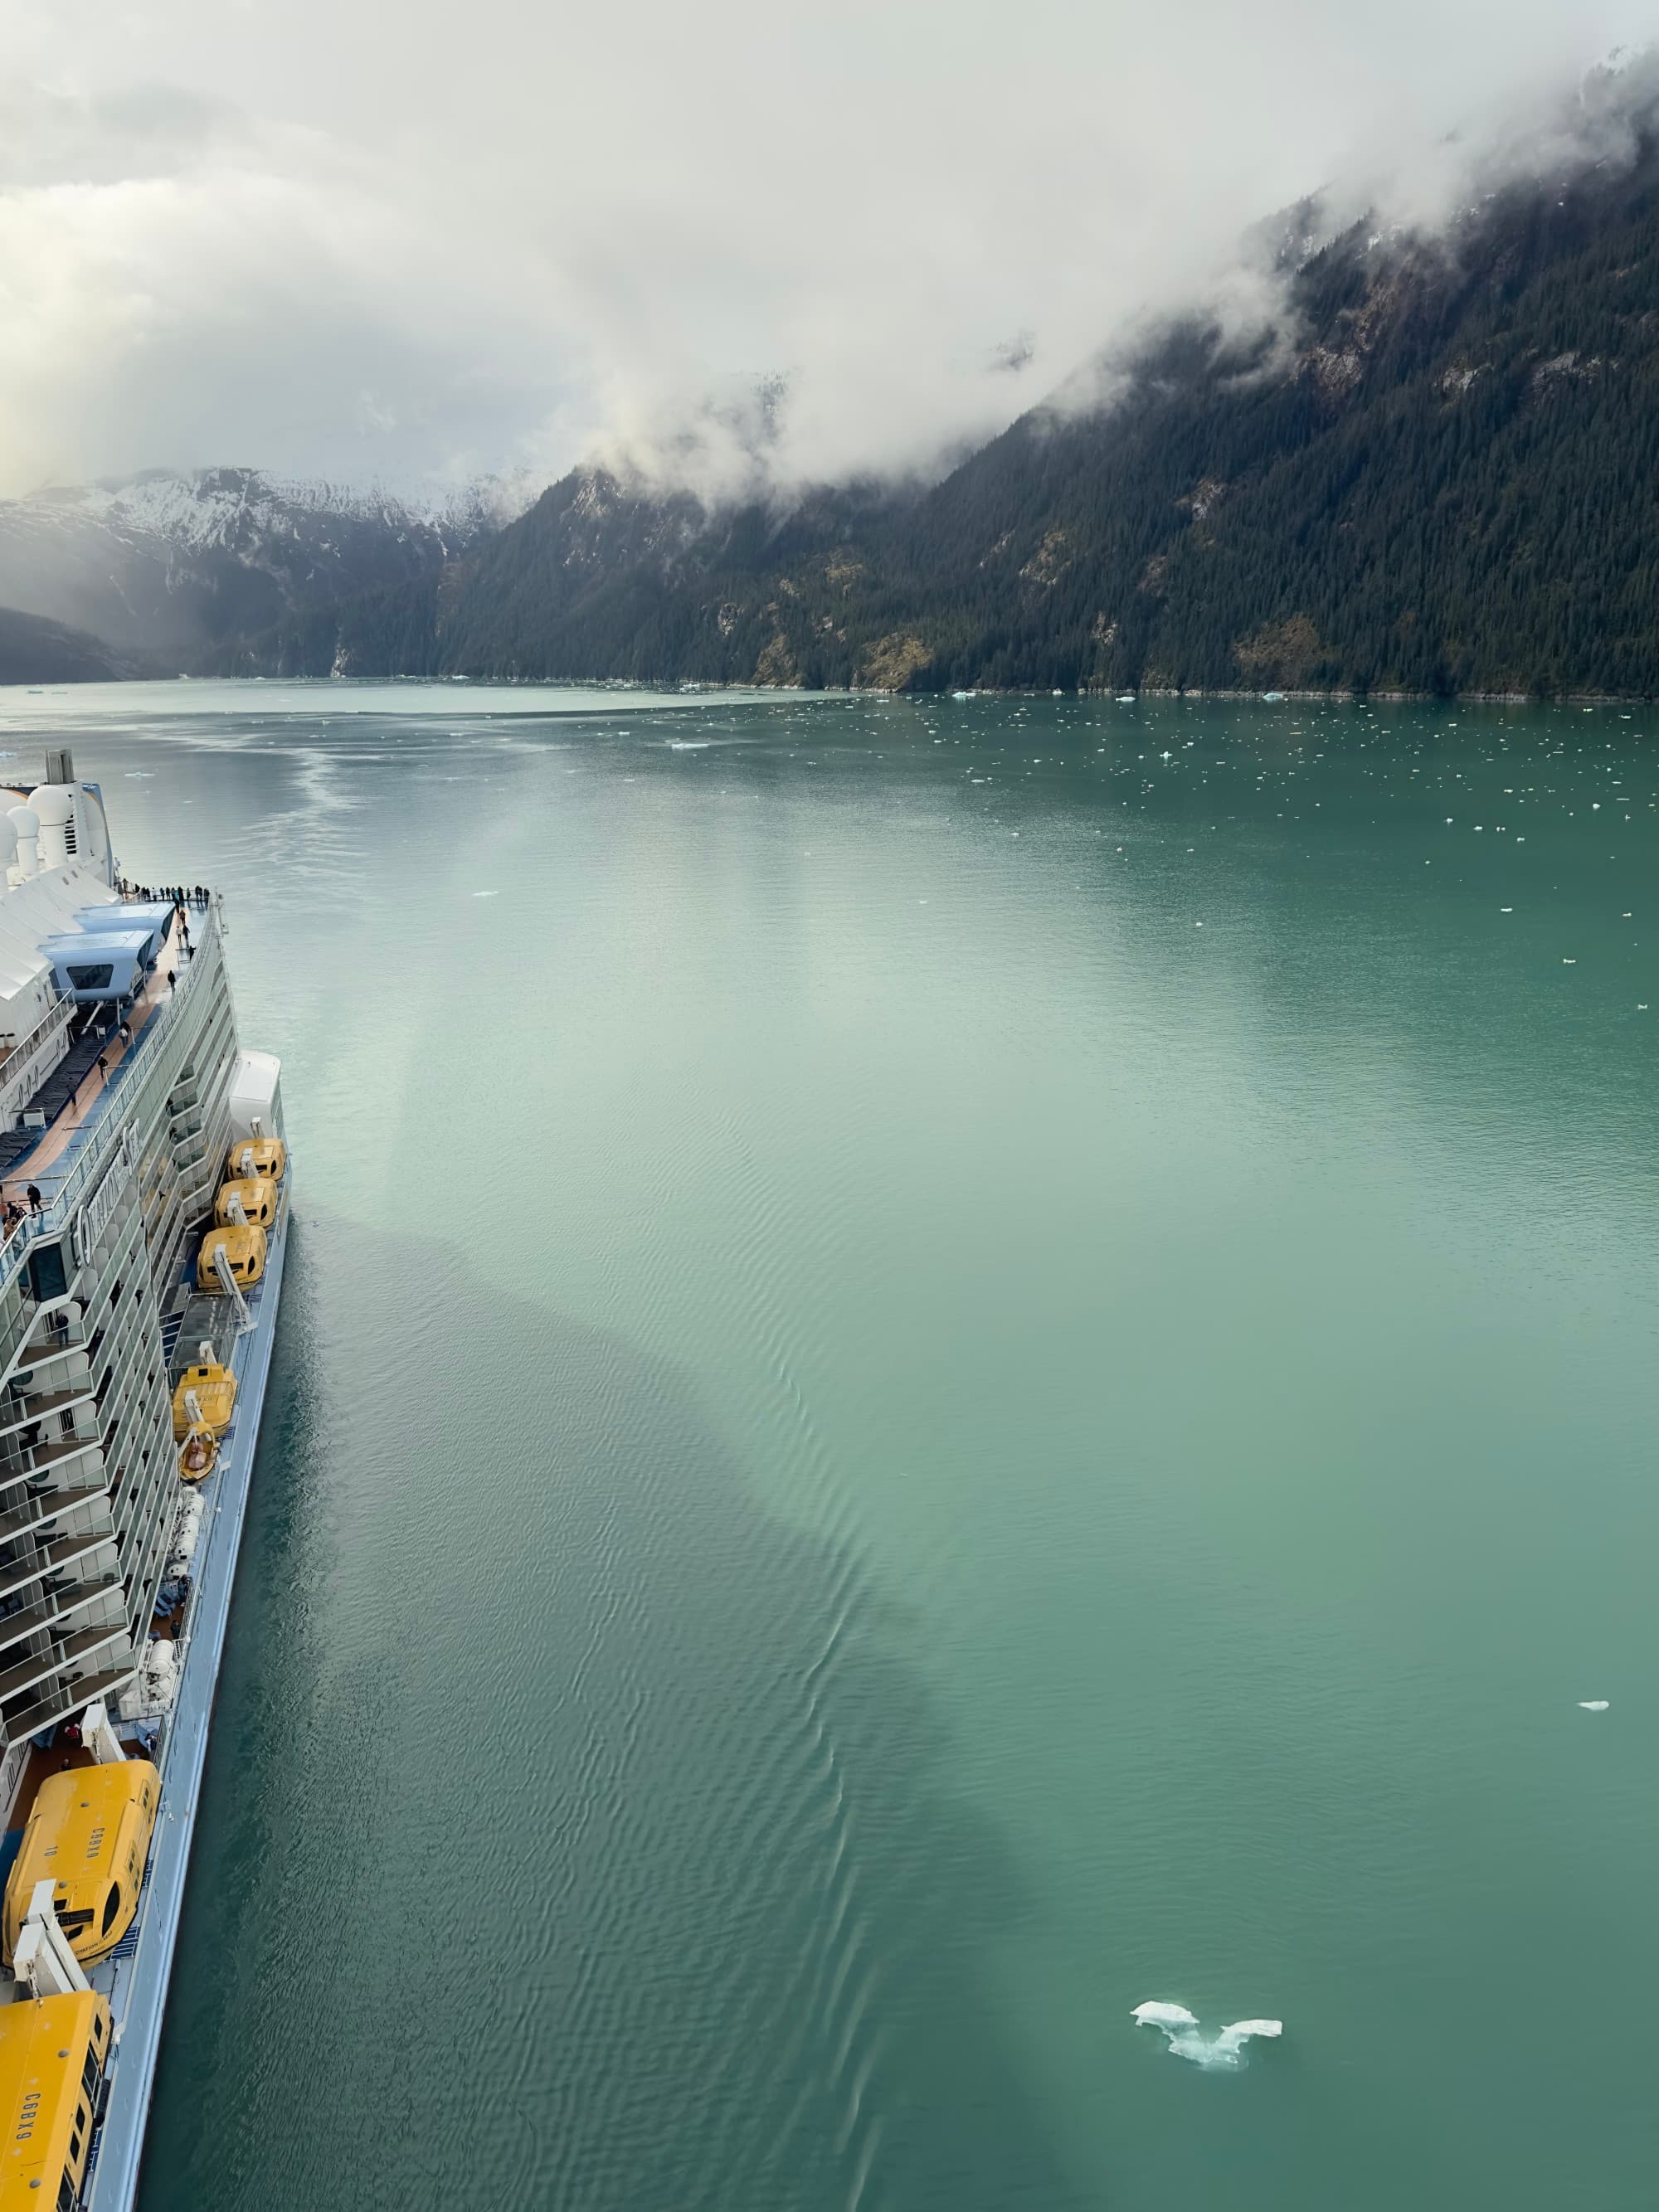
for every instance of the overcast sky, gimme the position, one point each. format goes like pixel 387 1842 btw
pixel 421 241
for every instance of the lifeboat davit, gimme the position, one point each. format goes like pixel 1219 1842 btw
pixel 243 1246
pixel 256 1195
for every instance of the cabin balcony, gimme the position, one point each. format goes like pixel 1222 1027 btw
pixel 16 1413
pixel 45 1506
pixel 55 1334
pixel 65 1697
pixel 64 1652
pixel 50 1559
pixel 52 1455
pixel 54 1606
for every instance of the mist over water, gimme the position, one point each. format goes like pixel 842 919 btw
pixel 958 1364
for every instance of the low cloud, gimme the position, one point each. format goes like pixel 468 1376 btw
pixel 721 244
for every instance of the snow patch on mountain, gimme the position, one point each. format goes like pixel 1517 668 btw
pixel 172 561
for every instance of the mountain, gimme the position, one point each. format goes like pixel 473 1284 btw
pixel 35 651
pixel 1437 475
pixel 170 563
pixel 1436 472
pixel 1431 468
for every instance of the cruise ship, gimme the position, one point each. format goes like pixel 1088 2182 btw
pixel 144 1218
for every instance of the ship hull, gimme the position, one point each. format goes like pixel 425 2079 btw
pixel 137 1984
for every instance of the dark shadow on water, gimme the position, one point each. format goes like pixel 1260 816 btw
pixel 574 1835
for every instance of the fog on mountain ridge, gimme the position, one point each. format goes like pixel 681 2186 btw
pixel 549 237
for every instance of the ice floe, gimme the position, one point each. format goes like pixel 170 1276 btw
pixel 1224 2050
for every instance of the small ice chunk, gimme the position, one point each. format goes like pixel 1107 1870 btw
pixel 1241 2030
pixel 1592 1705
pixel 1181 2031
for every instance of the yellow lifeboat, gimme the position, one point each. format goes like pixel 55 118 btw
pixel 243 1246
pixel 256 1156
pixel 88 1832
pixel 213 1388
pixel 52 2051
pixel 255 1194
pixel 198 1454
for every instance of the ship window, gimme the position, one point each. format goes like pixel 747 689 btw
pixel 96 978
pixel 112 1906
pixel 68 2195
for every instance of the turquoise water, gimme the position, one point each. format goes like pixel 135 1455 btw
pixel 946 1366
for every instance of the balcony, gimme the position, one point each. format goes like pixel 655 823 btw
pixel 44 1457
pixel 59 1605
pixel 52 1337
pixel 27 1671
pixel 17 1413
pixel 51 1559
pixel 47 1506
pixel 67 1698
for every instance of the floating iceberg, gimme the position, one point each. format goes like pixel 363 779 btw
pixel 1224 2050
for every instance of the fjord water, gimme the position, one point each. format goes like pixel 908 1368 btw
pixel 946 1366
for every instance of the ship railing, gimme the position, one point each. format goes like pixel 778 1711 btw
pixel 89 1150
pixel 24 1064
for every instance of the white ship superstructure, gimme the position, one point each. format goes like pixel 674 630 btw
pixel 134 1338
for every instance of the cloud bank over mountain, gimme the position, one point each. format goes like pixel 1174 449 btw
pixel 414 245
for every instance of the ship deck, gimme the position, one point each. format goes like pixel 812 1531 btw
pixel 73 1095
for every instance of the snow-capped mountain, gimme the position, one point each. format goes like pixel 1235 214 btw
pixel 170 562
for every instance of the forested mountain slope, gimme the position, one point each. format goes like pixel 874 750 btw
pixel 35 651
pixel 1440 474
